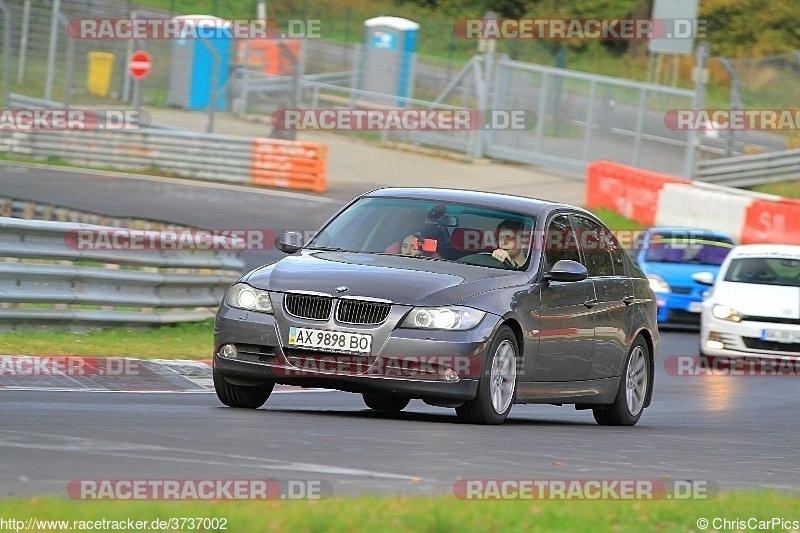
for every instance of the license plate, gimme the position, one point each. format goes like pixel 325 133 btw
pixel 779 335
pixel 695 307
pixel 330 341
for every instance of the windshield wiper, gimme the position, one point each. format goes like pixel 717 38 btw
pixel 325 249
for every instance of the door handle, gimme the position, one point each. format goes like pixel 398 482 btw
pixel 590 303
pixel 628 299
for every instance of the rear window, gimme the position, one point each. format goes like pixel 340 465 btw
pixel 687 248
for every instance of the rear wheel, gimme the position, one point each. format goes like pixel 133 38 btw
pixel 246 397
pixel 498 382
pixel 634 385
pixel 384 402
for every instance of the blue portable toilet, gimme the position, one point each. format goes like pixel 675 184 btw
pixel 387 66
pixel 191 78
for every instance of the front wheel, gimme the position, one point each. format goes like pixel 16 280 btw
pixel 634 385
pixel 246 397
pixel 498 383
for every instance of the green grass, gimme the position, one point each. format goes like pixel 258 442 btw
pixel 615 221
pixel 434 514
pixel 191 340
pixel 789 189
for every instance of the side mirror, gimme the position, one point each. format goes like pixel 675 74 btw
pixel 703 278
pixel 289 242
pixel 566 270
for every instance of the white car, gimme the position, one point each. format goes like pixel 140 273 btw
pixel 753 307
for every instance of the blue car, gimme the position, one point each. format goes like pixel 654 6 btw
pixel 669 256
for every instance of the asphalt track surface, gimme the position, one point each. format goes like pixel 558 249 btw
pixel 734 431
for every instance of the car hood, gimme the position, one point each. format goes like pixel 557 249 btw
pixel 403 280
pixel 759 300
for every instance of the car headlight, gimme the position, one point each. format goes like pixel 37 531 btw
pixel 658 284
pixel 726 313
pixel 243 296
pixel 443 318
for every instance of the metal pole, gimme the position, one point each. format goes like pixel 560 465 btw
pixel 6 51
pixel 697 103
pixel 587 134
pixel 51 50
pixel 68 73
pixel 212 108
pixel 23 40
pixel 735 99
pixel 137 103
pixel 126 74
pixel 245 82
pixel 637 144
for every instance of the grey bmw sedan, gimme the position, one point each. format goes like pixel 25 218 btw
pixel 467 300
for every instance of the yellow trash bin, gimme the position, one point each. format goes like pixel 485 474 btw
pixel 99 77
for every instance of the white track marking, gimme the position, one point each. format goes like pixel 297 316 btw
pixel 114 449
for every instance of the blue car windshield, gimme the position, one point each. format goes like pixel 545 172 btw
pixel 432 230
pixel 695 251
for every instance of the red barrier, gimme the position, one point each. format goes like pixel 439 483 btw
pixel 292 164
pixel 772 222
pixel 629 191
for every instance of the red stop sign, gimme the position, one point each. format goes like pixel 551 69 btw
pixel 140 64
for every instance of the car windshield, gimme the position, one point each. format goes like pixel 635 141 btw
pixel 430 230
pixel 697 250
pixel 765 271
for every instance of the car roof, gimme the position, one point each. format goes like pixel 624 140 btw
pixel 521 204
pixel 677 229
pixel 766 250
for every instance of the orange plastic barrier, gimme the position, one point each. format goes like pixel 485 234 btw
pixel 270 54
pixel 775 222
pixel 291 164
pixel 629 191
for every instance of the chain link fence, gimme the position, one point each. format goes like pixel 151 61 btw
pixel 762 83
pixel 582 116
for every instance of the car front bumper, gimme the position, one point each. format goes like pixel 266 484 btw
pixel 746 338
pixel 410 362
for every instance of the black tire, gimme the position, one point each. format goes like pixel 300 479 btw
pixel 385 402
pixel 620 413
pixel 241 396
pixel 481 410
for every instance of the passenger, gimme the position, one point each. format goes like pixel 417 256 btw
pixel 410 246
pixel 512 249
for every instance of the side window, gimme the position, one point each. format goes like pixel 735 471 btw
pixel 617 255
pixel 560 242
pixel 593 240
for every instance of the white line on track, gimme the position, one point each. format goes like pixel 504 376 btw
pixel 110 448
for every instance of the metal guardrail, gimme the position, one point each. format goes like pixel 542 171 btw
pixel 748 170
pixel 45 280
pixel 203 156
pixel 26 209
pixel 186 154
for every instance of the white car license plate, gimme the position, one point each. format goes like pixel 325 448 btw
pixel 330 341
pixel 779 335
pixel 695 307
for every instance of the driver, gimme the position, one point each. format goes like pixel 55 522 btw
pixel 511 245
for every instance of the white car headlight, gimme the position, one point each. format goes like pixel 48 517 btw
pixel 453 318
pixel 658 284
pixel 726 313
pixel 243 296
